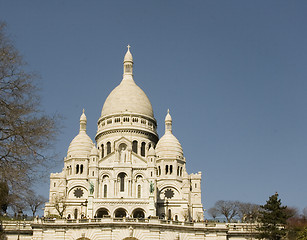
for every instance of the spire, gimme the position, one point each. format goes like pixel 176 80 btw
pixel 168 122
pixel 128 62
pixel 83 122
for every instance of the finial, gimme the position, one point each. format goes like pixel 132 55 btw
pixel 168 110
pixel 83 121
pixel 128 47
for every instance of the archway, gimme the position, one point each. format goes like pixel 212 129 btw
pixel 120 213
pixel 101 212
pixel 138 213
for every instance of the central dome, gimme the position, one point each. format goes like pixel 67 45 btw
pixel 127 97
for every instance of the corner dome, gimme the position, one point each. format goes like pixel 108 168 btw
pixel 127 97
pixel 82 144
pixel 168 146
pixel 94 151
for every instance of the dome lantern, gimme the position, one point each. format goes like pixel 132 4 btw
pixel 83 121
pixel 128 63
pixel 168 122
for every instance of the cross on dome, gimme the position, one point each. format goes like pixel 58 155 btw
pixel 128 47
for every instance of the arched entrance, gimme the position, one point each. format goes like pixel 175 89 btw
pixel 120 213
pixel 138 213
pixel 101 212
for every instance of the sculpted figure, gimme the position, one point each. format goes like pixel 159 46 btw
pixel 91 188
pixel 152 187
pixel 123 154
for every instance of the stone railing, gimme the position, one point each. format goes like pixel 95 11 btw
pixel 231 227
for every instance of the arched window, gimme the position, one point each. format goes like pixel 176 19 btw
pixel 181 171
pixel 143 149
pixel 105 190
pixel 139 191
pixel 76 213
pixel 135 146
pixel 102 150
pixel 170 169
pixel 77 169
pixel 178 171
pixel 121 177
pixel 166 169
pixel 169 214
pixel 81 168
pixel 108 147
pixel 159 171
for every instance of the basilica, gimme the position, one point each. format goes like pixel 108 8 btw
pixel 127 184
pixel 127 171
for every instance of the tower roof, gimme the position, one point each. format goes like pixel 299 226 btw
pixel 82 144
pixel 168 146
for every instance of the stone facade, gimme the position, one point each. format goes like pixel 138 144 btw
pixel 129 171
pixel 129 185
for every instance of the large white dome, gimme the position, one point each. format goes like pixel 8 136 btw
pixel 127 97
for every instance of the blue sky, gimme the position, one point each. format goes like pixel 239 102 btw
pixel 233 74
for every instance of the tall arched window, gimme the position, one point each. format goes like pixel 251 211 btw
pixel 170 169
pixel 169 214
pixel 135 146
pixel 77 169
pixel 81 168
pixel 166 169
pixel 102 150
pixel 76 213
pixel 121 177
pixel 139 191
pixel 159 171
pixel 143 149
pixel 105 190
pixel 108 147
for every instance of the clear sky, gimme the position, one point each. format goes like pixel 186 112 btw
pixel 233 74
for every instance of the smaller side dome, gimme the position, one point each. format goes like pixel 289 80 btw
pixel 168 146
pixel 82 144
pixel 151 151
pixel 94 151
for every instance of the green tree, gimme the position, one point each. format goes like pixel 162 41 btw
pixel 302 235
pixel 272 218
pixel 26 132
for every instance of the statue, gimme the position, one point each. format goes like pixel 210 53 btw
pixel 152 187
pixel 91 188
pixel 122 156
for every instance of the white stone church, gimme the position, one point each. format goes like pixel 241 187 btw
pixel 128 171
pixel 128 184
